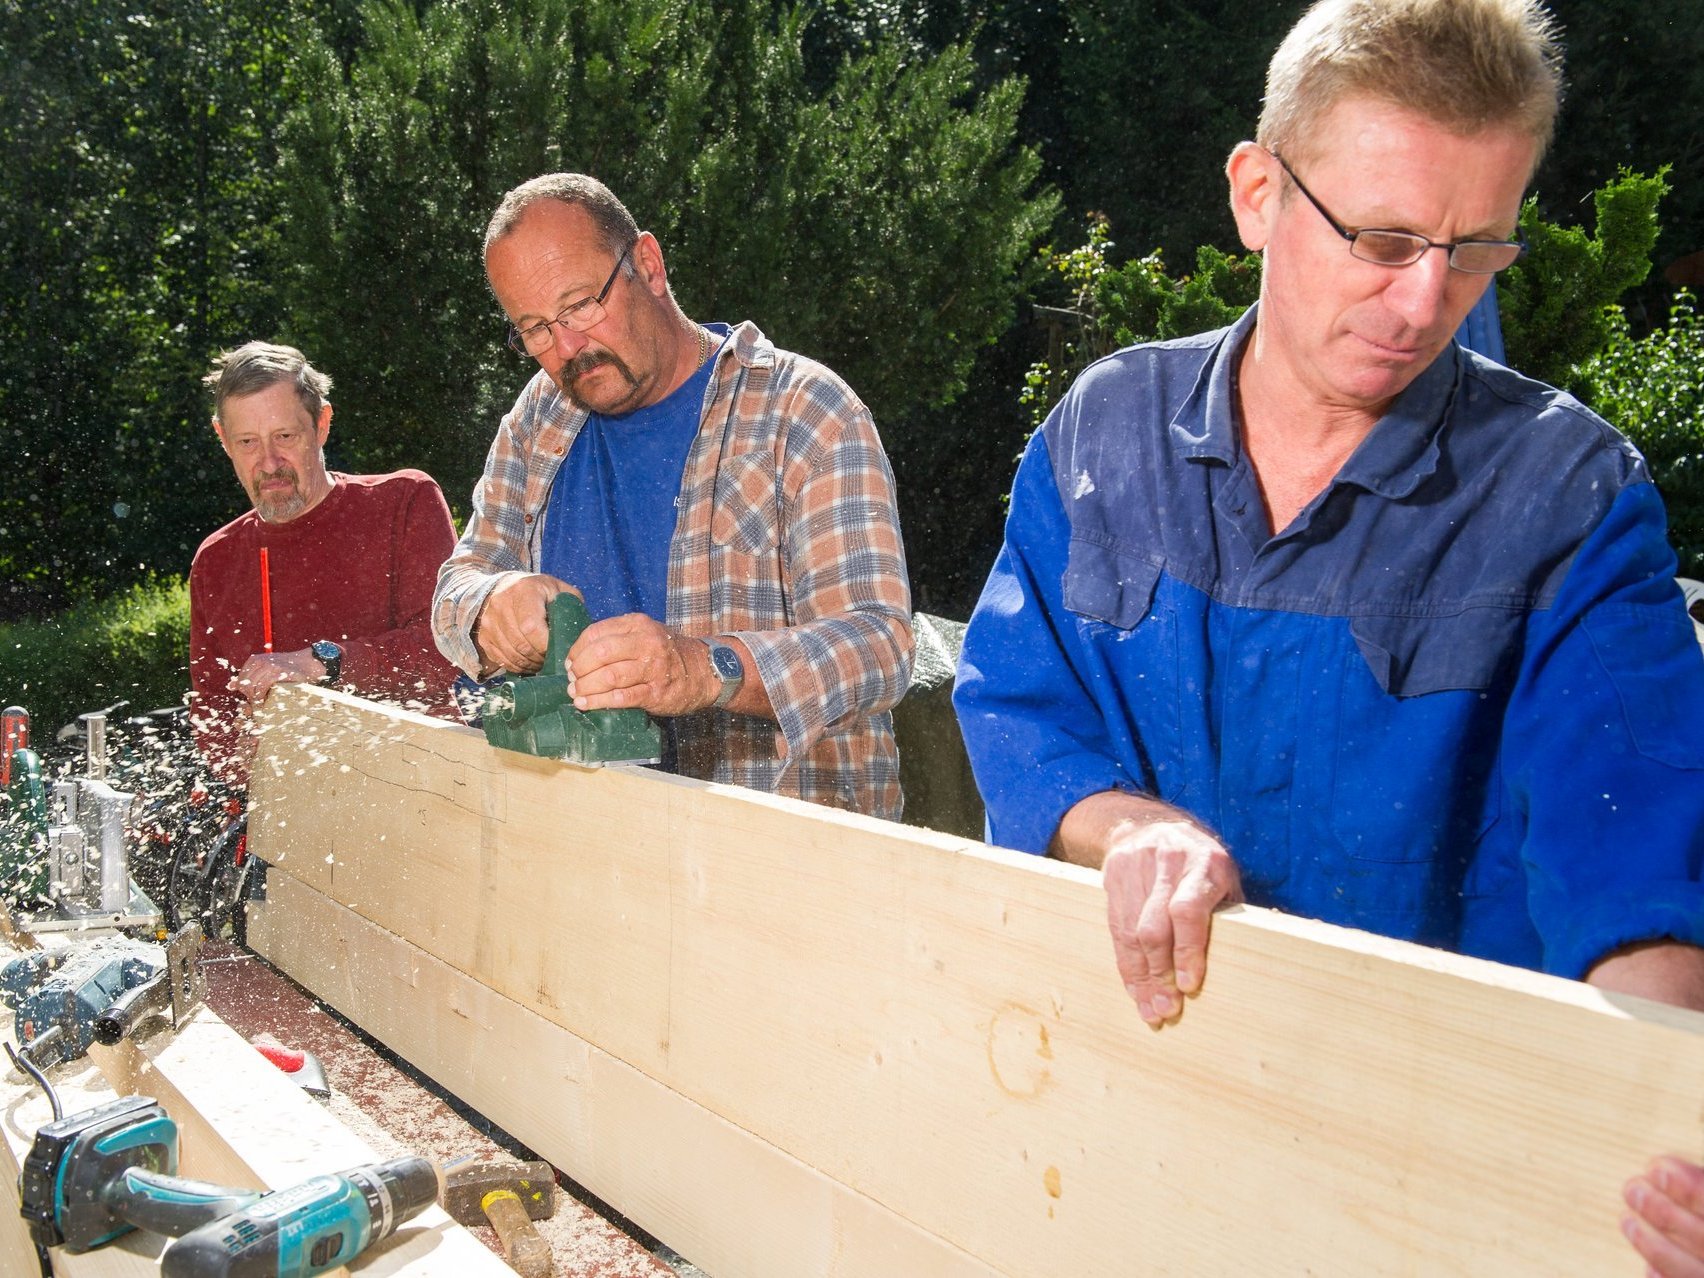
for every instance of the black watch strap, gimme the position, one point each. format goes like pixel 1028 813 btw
pixel 329 655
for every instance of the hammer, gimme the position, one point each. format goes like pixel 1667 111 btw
pixel 509 1196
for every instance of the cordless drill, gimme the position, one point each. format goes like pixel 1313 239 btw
pixel 93 1176
pixel 315 1226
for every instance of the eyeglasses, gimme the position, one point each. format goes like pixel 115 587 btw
pixel 583 314
pixel 1404 248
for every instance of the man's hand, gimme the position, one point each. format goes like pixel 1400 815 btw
pixel 264 669
pixel 1164 876
pixel 1667 971
pixel 1667 1223
pixel 511 632
pixel 1666 1226
pixel 633 661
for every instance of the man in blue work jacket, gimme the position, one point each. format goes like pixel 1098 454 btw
pixel 1325 612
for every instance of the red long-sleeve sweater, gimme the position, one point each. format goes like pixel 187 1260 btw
pixel 358 569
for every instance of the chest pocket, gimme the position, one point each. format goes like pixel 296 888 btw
pixel 1415 656
pixel 1418 737
pixel 1128 631
pixel 1651 690
pixel 747 509
pixel 1103 585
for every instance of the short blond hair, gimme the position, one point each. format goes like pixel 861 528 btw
pixel 1466 64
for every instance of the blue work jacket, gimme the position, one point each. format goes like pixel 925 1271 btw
pixel 1457 701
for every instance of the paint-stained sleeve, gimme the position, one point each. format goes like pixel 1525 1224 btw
pixel 1037 738
pixel 1605 748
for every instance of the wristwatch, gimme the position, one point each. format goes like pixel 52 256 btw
pixel 329 655
pixel 725 661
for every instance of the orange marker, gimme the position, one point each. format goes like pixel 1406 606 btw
pixel 265 601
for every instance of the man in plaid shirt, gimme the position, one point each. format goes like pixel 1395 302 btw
pixel 725 506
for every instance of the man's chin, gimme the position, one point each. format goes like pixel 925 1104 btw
pixel 280 509
pixel 605 389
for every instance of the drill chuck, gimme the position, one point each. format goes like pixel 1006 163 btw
pixel 311 1228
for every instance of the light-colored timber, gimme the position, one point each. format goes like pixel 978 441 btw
pixel 241 1122
pixel 937 1027
pixel 723 1198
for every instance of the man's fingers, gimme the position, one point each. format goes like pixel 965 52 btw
pixel 1192 908
pixel 1137 912
pixel 1668 1229
pixel 512 631
pixel 630 675
pixel 1665 1258
pixel 1158 938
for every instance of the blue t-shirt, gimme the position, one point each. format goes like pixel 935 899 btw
pixel 612 507
pixel 1456 701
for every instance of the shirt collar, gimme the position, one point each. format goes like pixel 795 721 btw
pixel 1205 425
pixel 1399 452
pixel 1402 448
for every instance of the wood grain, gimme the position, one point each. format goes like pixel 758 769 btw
pixel 938 1027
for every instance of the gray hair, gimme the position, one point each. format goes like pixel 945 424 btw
pixel 1466 64
pixel 254 366
pixel 615 224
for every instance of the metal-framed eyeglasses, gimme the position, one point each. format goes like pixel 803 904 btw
pixel 1404 248
pixel 536 339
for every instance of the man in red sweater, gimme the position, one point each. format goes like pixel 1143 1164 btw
pixel 351 561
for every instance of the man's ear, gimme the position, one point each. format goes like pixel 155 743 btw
pixel 219 430
pixel 648 264
pixel 322 427
pixel 1257 186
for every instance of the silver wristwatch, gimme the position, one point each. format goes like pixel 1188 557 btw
pixel 725 661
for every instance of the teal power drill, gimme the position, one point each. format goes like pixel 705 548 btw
pixel 310 1228
pixel 94 1176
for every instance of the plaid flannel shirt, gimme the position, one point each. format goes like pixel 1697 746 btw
pixel 787 538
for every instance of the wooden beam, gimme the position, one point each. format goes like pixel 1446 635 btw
pixel 938 1027
pixel 726 1200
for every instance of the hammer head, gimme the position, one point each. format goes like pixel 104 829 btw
pixel 468 1180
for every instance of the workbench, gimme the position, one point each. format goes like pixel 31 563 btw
pixel 244 1122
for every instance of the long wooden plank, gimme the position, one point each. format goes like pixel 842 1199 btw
pixel 726 1200
pixel 938 1026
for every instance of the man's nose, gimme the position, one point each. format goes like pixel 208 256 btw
pixel 1416 292
pixel 566 342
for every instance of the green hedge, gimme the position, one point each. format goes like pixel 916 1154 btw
pixel 1652 388
pixel 132 646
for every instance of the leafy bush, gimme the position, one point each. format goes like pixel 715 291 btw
pixel 1112 307
pixel 1556 303
pixel 131 646
pixel 1652 388
pixel 880 222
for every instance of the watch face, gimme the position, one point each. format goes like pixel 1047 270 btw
pixel 727 662
pixel 329 655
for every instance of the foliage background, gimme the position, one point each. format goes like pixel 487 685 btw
pixel 131 646
pixel 1653 387
pixel 873 181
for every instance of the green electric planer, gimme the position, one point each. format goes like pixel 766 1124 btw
pixel 534 714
